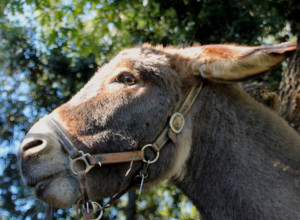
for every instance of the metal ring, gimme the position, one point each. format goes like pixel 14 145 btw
pixel 149 161
pixel 96 207
pixel 81 158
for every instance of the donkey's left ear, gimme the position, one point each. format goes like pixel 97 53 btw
pixel 235 63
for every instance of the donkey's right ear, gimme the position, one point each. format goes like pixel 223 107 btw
pixel 234 63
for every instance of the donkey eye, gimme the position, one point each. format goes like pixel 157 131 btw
pixel 127 79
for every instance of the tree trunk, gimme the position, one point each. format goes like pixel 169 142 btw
pixel 131 207
pixel 289 91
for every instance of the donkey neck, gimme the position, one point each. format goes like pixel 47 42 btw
pixel 244 159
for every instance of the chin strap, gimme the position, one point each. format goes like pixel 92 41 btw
pixel 50 213
pixel 87 204
pixel 89 207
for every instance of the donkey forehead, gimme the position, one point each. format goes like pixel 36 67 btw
pixel 144 56
pixel 136 61
pixel 141 62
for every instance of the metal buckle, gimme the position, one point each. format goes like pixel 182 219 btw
pixel 81 158
pixel 171 123
pixel 149 161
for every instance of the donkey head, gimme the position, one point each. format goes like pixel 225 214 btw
pixel 126 105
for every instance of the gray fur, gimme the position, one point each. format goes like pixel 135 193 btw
pixel 231 172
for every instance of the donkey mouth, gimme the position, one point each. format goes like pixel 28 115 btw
pixel 41 185
pixel 34 182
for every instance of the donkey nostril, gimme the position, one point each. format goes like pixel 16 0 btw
pixel 32 144
pixel 32 147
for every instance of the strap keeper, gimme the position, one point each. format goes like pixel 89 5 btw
pixel 172 136
pixel 155 147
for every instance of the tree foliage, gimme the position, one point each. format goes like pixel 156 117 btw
pixel 50 48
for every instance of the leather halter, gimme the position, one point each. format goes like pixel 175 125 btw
pixel 175 126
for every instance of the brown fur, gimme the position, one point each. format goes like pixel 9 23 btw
pixel 235 159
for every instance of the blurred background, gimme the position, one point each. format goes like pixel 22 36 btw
pixel 50 48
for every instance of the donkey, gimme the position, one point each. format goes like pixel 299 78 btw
pixel 137 122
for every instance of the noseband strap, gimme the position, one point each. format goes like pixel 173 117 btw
pixel 60 135
pixel 175 126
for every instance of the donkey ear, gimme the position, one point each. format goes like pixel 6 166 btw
pixel 235 63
